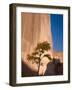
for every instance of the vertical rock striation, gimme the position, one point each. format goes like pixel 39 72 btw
pixel 35 28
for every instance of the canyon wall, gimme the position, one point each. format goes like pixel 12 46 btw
pixel 35 28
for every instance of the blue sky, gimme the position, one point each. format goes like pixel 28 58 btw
pixel 57 31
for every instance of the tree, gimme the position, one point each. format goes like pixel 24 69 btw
pixel 37 55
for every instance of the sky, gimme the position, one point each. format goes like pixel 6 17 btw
pixel 57 31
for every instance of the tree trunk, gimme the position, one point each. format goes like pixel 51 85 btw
pixel 38 68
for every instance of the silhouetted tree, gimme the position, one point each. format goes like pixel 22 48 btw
pixel 36 56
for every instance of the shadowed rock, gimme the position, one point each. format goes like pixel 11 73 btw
pixel 54 68
pixel 26 71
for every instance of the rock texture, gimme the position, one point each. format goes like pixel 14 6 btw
pixel 35 28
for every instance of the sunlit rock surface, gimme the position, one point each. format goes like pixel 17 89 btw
pixel 35 28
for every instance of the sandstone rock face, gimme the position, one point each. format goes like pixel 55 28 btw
pixel 35 28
